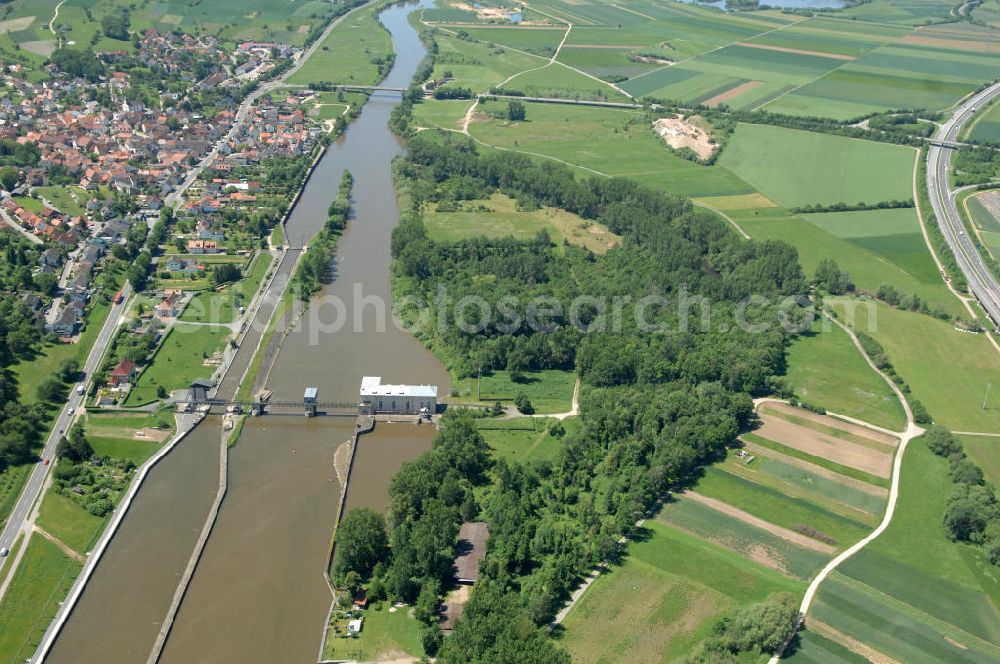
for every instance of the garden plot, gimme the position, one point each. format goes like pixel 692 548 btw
pixel 828 438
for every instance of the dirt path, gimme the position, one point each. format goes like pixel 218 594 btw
pixel 724 216
pixel 72 553
pixel 55 17
pixel 911 432
pixel 784 533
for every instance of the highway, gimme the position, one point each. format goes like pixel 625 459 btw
pixel 981 281
pixel 36 480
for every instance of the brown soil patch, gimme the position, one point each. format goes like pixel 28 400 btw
pixel 766 556
pixel 680 133
pixel 850 430
pixel 487 13
pixel 816 470
pixel 799 51
pixel 650 60
pixel 850 643
pixel 826 446
pixel 735 91
pixel 784 533
pixel 953 44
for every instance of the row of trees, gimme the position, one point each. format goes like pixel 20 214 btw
pixel 314 266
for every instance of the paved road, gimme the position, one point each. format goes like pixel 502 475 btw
pixel 33 487
pixel 981 281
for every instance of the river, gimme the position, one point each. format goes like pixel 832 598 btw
pixel 258 594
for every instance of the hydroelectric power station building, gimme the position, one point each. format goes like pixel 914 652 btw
pixel 377 397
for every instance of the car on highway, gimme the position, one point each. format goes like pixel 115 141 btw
pixel 45 461
pixel 4 551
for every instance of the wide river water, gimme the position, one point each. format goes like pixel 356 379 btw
pixel 258 594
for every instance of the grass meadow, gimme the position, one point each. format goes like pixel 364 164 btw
pixel 41 581
pixel 947 370
pixel 827 370
pixel 180 360
pixel 664 598
pixel 549 390
pixel 346 55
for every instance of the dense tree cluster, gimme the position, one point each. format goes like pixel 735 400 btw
pixel 655 408
pixel 976 166
pixel 314 266
pixel 855 207
pixel 116 24
pixel 78 63
pixel 830 278
pixel 972 513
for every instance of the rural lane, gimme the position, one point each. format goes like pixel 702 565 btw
pixel 981 281
pixel 19 520
pixel 909 433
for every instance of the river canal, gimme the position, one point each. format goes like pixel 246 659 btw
pixel 258 594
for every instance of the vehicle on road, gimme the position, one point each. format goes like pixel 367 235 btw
pixel 69 411
pixel 4 551
pixel 79 389
pixel 118 297
pixel 45 461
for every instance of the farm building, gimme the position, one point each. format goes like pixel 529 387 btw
pixel 406 399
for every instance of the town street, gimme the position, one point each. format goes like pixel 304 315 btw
pixel 19 517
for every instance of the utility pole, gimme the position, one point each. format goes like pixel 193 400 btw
pixel 985 398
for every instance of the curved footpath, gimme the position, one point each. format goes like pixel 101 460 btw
pixel 909 433
pixel 982 282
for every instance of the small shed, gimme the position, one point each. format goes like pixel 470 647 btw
pixel 200 388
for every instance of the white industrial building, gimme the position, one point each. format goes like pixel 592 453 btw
pixel 409 399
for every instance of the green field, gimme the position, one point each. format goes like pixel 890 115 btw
pixel 609 141
pixel 41 581
pixel 827 370
pixel 913 586
pixel 180 360
pixel 664 598
pixel 384 634
pixel 70 523
pixel 12 479
pixel 550 390
pixel 815 649
pixel 748 540
pixel 848 471
pixel 928 354
pixel 776 507
pixel 498 216
pixel 346 55
pixel 986 126
pixel 798 168
pixel 524 439
pixel 984 450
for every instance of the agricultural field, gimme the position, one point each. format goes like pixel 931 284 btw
pixel 986 126
pixel 805 168
pixel 180 359
pixel 912 594
pixel 606 141
pixel 928 354
pixel 477 65
pixel 498 217
pixel 983 211
pixel 827 370
pixel 664 598
pixel 350 53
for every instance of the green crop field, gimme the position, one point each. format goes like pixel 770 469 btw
pixel 41 581
pixel 727 531
pixel 555 80
pixel 798 168
pixel 815 649
pixel 986 126
pixel 347 54
pixel 533 40
pixel 776 507
pixel 476 65
pixel 664 598
pixel 801 484
pixel 928 354
pixel 890 629
pixel 826 369
pixel 180 360
pixel 896 260
pixel 913 586
pixel 848 471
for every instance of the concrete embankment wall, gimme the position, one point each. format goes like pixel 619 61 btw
pixel 49 638
pixel 199 548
